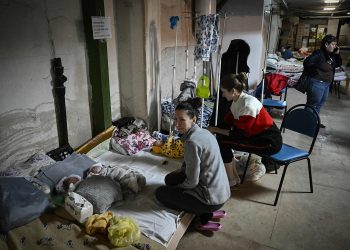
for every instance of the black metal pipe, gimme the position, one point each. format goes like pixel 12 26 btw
pixel 59 91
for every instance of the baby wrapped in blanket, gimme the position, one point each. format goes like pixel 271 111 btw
pixel 131 181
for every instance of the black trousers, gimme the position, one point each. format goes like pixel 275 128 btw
pixel 267 143
pixel 176 198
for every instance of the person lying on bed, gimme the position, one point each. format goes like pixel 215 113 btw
pixel 200 186
pixel 131 181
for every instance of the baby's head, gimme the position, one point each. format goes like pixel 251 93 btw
pixel 96 169
pixel 66 183
pixel 72 179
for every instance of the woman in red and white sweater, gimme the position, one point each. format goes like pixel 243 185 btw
pixel 246 127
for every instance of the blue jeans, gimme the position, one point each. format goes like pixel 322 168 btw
pixel 317 93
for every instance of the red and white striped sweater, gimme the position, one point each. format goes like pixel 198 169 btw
pixel 249 115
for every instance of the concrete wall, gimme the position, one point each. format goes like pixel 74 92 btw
pixel 32 33
pixel 140 58
pixel 244 21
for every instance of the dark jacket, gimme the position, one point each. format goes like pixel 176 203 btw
pixel 313 63
pixel 238 51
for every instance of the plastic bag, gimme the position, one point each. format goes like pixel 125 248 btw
pixel 123 231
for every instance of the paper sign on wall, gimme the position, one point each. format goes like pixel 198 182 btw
pixel 101 27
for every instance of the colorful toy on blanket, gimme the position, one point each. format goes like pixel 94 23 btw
pixel 170 146
pixel 157 147
pixel 173 148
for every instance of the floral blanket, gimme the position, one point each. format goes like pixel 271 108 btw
pixel 59 231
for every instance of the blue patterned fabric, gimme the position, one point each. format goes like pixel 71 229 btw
pixel 207 36
pixel 169 109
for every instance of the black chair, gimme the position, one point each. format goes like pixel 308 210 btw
pixel 304 120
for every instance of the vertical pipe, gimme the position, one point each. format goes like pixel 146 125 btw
pixel 59 91
pixel 173 83
pixel 218 72
pixel 266 52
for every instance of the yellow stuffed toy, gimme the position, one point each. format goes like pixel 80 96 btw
pixel 173 148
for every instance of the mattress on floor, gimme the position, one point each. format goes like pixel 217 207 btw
pixel 162 228
pixel 156 221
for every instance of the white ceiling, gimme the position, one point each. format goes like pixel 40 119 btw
pixel 313 8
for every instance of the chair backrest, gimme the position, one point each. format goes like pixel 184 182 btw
pixel 302 119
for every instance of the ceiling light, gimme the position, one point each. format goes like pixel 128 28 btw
pixel 348 13
pixel 329 8
pixel 331 1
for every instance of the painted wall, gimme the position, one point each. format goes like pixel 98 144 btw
pixel 110 7
pixel 332 26
pixel 32 33
pixel 245 22
pixel 130 26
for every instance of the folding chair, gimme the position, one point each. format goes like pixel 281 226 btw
pixel 278 104
pixel 304 120
pixel 276 85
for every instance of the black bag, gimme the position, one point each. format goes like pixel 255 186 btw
pixel 303 83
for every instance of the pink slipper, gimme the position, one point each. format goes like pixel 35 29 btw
pixel 219 214
pixel 209 226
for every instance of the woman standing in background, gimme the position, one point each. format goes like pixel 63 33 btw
pixel 320 66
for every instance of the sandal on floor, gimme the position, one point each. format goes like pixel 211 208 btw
pixel 209 226
pixel 219 214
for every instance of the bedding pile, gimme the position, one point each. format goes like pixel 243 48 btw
pixel 111 182
pixel 277 63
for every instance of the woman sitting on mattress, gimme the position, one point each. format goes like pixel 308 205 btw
pixel 200 186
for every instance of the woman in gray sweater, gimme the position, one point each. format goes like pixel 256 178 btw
pixel 200 186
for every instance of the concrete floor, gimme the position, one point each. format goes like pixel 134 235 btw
pixel 319 220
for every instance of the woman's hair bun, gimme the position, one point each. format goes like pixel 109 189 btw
pixel 242 77
pixel 196 102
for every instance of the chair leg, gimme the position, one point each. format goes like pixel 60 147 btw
pixel 275 168
pixel 310 175
pixel 280 185
pixel 245 169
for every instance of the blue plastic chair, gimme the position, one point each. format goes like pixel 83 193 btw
pixel 304 120
pixel 279 104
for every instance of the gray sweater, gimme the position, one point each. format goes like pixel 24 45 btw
pixel 206 177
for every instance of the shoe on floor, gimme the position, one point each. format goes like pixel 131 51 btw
pixel 218 214
pixel 322 126
pixel 209 226
pixel 235 182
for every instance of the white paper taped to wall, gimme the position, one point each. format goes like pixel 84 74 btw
pixel 101 27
